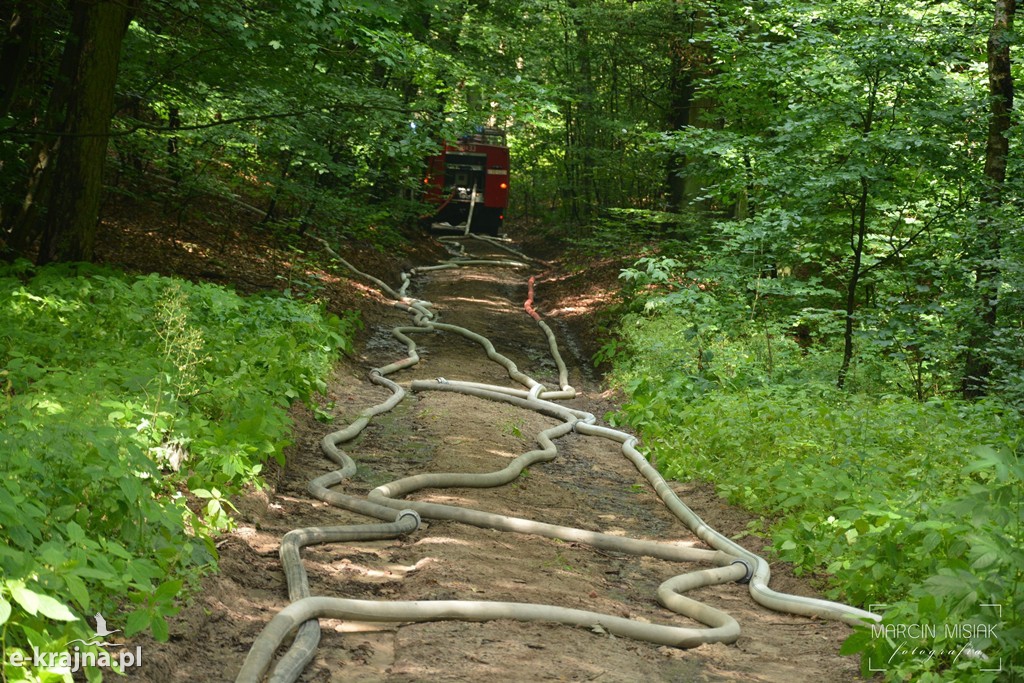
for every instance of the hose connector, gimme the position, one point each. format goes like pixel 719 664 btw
pixel 409 513
pixel 750 571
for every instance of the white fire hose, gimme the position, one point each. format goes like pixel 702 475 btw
pixel 729 562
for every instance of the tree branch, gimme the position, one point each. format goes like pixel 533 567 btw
pixel 897 250
pixel 142 125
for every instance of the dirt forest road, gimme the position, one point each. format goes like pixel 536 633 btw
pixel 590 485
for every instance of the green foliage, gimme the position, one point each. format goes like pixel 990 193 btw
pixel 847 148
pixel 976 580
pixel 618 231
pixel 319 114
pixel 910 503
pixel 879 496
pixel 599 74
pixel 132 406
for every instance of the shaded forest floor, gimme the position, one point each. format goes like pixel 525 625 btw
pixel 590 485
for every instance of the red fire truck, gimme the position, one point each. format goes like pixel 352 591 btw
pixel 467 183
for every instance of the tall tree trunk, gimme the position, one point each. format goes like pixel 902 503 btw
pixel 19 223
pixel 16 43
pixel 285 163
pixel 17 46
pixel 680 102
pixel 570 164
pixel 687 64
pixel 69 226
pixel 585 120
pixel 858 233
pixel 173 121
pixel 578 116
pixel 978 366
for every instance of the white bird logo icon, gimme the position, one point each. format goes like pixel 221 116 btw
pixel 101 626
pixel 101 633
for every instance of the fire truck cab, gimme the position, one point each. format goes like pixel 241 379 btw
pixel 467 183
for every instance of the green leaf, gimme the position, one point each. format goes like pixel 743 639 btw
pixel 945 584
pixel 5 611
pixel 855 642
pixel 138 620
pixel 161 632
pixel 54 609
pixel 168 590
pixel 986 560
pixel 931 540
pixel 74 532
pixel 78 590
pixel 28 599
pixel 35 638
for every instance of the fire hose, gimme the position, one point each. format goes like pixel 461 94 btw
pixel 730 561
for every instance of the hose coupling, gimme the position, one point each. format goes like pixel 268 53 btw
pixel 410 513
pixel 750 571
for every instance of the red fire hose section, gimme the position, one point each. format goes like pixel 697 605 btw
pixel 440 208
pixel 528 304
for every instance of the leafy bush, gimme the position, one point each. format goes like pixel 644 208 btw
pixel 883 497
pixel 911 505
pixel 123 399
pixel 973 546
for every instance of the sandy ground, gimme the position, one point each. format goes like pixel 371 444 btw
pixel 590 485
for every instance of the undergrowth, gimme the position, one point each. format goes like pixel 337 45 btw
pixel 905 506
pixel 132 408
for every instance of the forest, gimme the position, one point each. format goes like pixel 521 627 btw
pixel 813 213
